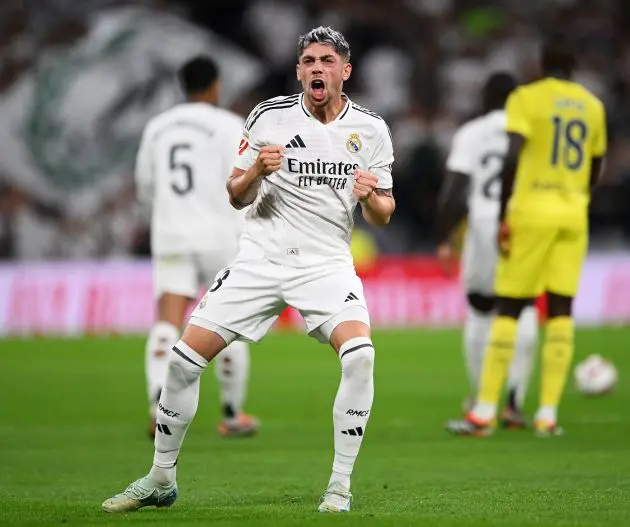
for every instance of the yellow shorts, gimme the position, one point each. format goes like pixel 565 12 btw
pixel 542 258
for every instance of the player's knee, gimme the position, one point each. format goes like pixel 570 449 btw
pixel 207 342
pixel 511 307
pixel 162 337
pixel 357 358
pixel 528 327
pixel 482 303
pixel 559 305
pixel 233 361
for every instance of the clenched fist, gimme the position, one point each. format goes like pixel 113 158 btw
pixel 269 159
pixel 364 184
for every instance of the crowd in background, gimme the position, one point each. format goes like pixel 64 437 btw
pixel 418 63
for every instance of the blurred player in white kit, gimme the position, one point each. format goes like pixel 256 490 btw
pixel 473 189
pixel 185 156
pixel 305 162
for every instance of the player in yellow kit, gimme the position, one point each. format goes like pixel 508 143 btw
pixel 557 144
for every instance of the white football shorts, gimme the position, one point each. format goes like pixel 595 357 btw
pixel 247 297
pixel 479 259
pixel 186 274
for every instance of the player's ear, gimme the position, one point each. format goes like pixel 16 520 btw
pixel 347 70
pixel 298 74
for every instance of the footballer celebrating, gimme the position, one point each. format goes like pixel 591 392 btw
pixel 472 189
pixel 305 162
pixel 557 144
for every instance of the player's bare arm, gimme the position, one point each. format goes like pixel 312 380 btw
pixel 508 173
pixel 598 165
pixel 452 204
pixel 377 205
pixel 452 209
pixel 243 185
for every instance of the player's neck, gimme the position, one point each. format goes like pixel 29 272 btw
pixel 328 113
pixel 202 99
pixel 560 75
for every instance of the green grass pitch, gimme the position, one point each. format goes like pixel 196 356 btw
pixel 73 432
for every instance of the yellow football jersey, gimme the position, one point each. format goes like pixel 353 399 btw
pixel 565 127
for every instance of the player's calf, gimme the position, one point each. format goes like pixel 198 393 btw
pixel 351 412
pixel 162 337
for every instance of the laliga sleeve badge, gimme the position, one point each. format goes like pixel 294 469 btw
pixel 242 146
pixel 354 144
pixel 204 301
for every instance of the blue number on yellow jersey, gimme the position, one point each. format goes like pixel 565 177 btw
pixel 565 128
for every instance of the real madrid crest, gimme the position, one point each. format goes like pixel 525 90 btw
pixel 354 144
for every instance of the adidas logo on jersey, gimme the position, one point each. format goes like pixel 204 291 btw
pixel 296 142
pixel 350 297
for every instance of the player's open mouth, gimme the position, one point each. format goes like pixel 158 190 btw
pixel 318 89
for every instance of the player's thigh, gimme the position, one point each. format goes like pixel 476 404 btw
pixel 520 274
pixel 480 256
pixel 176 275
pixel 244 299
pixel 566 258
pixel 326 298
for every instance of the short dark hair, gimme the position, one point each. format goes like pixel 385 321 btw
pixel 325 35
pixel 197 74
pixel 497 89
pixel 558 55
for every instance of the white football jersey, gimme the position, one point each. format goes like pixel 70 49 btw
pixel 478 150
pixel 303 214
pixel 186 156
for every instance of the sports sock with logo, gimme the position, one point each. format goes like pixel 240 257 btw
pixel 497 359
pixel 232 371
pixel 556 360
pixel 352 406
pixel 476 331
pixel 524 356
pixel 162 338
pixel 176 409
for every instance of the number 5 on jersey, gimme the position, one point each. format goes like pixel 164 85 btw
pixel 180 169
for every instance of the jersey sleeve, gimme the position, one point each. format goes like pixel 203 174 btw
pixel 233 135
pixel 600 139
pixel 518 120
pixel 250 140
pixel 383 159
pixel 143 175
pixel 461 157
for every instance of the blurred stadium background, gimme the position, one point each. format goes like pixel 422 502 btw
pixel 79 80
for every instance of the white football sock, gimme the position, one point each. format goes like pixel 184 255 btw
pixel 524 356
pixel 232 371
pixel 353 405
pixel 547 414
pixel 476 332
pixel 176 409
pixel 161 339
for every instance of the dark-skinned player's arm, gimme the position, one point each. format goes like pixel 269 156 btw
pixel 598 165
pixel 452 206
pixel 598 162
pixel 508 172
pixel 516 142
